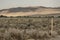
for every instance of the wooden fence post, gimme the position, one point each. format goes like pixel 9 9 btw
pixel 51 25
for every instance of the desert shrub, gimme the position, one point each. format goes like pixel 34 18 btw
pixel 3 16
pixel 27 28
pixel 53 34
pixel 41 35
pixel 58 32
pixel 10 34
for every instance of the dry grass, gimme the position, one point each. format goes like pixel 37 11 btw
pixel 28 28
pixel 16 34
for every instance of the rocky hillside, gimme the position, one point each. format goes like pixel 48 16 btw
pixel 27 11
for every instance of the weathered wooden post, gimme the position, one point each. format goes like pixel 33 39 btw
pixel 51 25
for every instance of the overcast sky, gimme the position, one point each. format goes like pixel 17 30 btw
pixel 23 3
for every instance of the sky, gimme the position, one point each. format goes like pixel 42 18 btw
pixel 4 4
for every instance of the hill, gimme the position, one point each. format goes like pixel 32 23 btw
pixel 27 11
